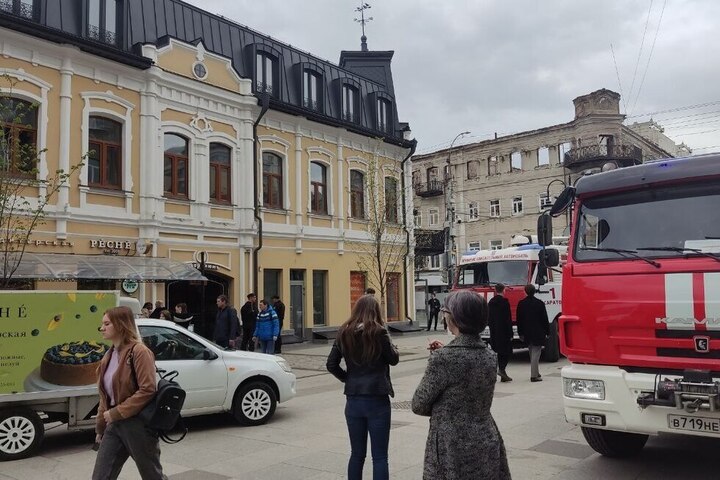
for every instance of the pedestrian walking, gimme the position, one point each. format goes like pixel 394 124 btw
pixel 279 308
pixel 501 331
pixel 248 315
pixel 123 394
pixel 365 345
pixel 434 305
pixel 267 328
pixel 369 291
pixel 181 315
pixel 227 324
pixel 533 328
pixel 456 392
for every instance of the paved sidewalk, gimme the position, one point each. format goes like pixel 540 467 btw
pixel 307 438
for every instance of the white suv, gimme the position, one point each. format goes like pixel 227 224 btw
pixel 247 384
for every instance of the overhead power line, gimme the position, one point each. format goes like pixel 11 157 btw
pixel 652 48
pixel 676 109
pixel 642 43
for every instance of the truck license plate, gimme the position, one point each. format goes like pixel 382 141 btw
pixel 694 424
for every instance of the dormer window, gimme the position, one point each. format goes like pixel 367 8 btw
pixel 21 8
pixel 384 115
pixel 311 90
pixel 266 75
pixel 350 103
pixel 102 24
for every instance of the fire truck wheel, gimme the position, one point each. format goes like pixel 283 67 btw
pixel 551 352
pixel 614 444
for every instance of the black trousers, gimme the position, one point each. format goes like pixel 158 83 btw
pixel 128 438
pixel 247 343
pixel 503 359
pixel 278 344
pixel 430 321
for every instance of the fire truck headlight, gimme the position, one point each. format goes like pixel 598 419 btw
pixel 587 389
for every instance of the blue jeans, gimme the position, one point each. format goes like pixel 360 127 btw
pixel 368 414
pixel 267 346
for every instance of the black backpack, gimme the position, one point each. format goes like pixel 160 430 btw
pixel 162 413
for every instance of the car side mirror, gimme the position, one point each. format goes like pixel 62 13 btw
pixel 208 355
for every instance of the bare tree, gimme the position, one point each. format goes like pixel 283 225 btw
pixel 382 251
pixel 24 195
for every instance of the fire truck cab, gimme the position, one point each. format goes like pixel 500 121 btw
pixel 641 303
pixel 514 267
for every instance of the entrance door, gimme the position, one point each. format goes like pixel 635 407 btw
pixel 393 297
pixel 297 302
pixel 200 299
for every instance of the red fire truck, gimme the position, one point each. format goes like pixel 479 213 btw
pixel 641 302
pixel 515 267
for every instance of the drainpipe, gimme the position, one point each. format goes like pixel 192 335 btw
pixel 413 146
pixel 265 104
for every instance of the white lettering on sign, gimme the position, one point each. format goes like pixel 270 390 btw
pixel 117 244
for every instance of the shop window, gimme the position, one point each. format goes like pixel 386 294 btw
pixel 357 194
pixel 272 281
pixel 391 200
pixel 319 297
pixel 272 180
pixel 104 153
pixel 318 188
pixel 18 137
pixel 176 164
pixel 220 173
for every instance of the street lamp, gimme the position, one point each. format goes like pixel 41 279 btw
pixel 450 213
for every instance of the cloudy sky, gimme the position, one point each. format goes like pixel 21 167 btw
pixel 507 66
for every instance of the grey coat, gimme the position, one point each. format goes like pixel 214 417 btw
pixel 456 392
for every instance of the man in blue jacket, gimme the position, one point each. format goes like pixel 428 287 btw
pixel 267 328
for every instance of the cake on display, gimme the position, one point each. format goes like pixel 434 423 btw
pixel 72 363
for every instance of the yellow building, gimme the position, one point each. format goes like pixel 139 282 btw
pixel 212 145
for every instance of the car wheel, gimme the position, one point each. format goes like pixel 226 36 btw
pixel 614 444
pixel 254 403
pixel 21 433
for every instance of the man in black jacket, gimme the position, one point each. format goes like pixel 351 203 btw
pixel 501 332
pixel 533 328
pixel 279 308
pixel 434 305
pixel 248 314
pixel 226 323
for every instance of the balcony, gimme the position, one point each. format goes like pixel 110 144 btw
pixel 595 155
pixel 20 8
pixel 433 188
pixel 429 242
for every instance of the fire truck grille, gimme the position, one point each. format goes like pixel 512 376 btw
pixel 687 352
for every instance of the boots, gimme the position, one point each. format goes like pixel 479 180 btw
pixel 504 377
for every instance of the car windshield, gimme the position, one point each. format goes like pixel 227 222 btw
pixel 509 272
pixel 671 221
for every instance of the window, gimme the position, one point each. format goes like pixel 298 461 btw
pixel 474 246
pixel 473 211
pixel 494 208
pixel 433 217
pixel 318 188
pixel 417 218
pixel 21 8
pixel 272 180
pixel 493 166
pixel 416 177
pixel 220 169
pixel 319 297
pixel 435 261
pixel 432 175
pixel 391 200
pixel 105 153
pixel 311 90
pixel 357 194
pixel 545 201
pixel 265 73
pixel 175 176
pixel 517 203
pixel 170 344
pixel 103 21
pixel 18 136
pixel 471 169
pixel 563 148
pixel 515 162
pixel 543 156
pixel 350 104
pixel 496 245
pixel 272 280
pixel 384 115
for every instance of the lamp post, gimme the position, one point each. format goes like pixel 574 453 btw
pixel 450 213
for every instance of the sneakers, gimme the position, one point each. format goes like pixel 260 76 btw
pixel 536 379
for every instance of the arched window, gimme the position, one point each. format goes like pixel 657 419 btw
pixel 175 172
pixel 391 200
pixel 272 180
pixel 357 194
pixel 105 153
pixel 220 169
pixel 318 188
pixel 18 136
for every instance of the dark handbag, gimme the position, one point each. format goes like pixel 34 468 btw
pixel 162 412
